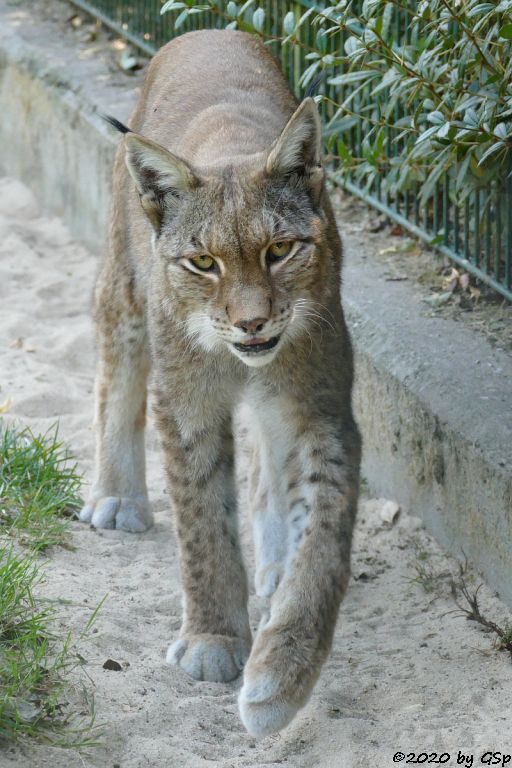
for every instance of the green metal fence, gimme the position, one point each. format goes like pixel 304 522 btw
pixel 477 235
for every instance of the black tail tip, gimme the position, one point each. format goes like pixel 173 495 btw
pixel 116 124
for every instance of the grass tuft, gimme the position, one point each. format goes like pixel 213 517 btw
pixel 35 664
pixel 39 487
pixel 40 696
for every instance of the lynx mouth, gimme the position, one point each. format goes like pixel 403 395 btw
pixel 255 346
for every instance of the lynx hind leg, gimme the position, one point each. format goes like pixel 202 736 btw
pixel 268 509
pixel 119 497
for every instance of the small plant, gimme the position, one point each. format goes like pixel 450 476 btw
pixel 35 666
pixel 39 486
pixel 444 584
pixel 427 577
pixel 467 602
pixel 363 485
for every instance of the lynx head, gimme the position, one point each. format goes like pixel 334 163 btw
pixel 242 246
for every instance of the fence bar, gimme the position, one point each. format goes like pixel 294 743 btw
pixel 105 19
pixel 508 253
pixel 446 210
pixel 466 229
pixel 497 242
pixel 422 235
pixel 477 228
pixel 488 232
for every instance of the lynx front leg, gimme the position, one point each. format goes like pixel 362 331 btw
pixel 119 497
pixel 215 637
pixel 267 499
pixel 290 648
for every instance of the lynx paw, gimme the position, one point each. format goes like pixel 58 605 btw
pixel 262 710
pixel 216 658
pixel 126 514
pixel 278 680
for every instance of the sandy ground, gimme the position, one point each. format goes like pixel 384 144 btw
pixel 405 674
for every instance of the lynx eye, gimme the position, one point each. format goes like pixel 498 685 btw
pixel 203 262
pixel 278 251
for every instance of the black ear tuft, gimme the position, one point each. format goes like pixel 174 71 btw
pixel 116 124
pixel 312 89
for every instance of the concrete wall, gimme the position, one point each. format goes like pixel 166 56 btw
pixel 52 136
pixel 434 402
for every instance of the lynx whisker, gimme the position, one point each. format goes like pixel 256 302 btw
pixel 306 305
pixel 322 306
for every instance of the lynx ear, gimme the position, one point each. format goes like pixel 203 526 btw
pixel 299 147
pixel 158 175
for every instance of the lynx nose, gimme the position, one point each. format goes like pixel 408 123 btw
pixel 251 326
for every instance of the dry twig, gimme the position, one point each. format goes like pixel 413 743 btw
pixel 467 602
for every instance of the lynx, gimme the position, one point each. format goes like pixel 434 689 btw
pixel 222 277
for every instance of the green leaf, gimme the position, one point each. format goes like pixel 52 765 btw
pixel 391 76
pixel 308 74
pixel 321 41
pixel 443 131
pixel 501 130
pixel 258 19
pixel 493 149
pixel 352 77
pixel 480 9
pixel 471 118
pixel 306 16
pixel 462 173
pixel 426 134
pixel 246 6
pixel 347 123
pixel 404 122
pixel 232 10
pixel 506 32
pixel 342 151
pixel 352 45
pixel 289 23
pixel 428 187
pixel 171 6
pixel 368 7
pixel 437 118
pixel 181 18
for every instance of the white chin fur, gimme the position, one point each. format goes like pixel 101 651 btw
pixel 255 361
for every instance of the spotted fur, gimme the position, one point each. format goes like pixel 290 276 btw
pixel 221 162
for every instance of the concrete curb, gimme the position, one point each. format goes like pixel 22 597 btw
pixel 52 136
pixel 434 401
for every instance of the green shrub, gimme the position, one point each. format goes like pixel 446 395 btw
pixel 411 91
